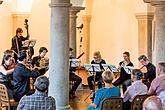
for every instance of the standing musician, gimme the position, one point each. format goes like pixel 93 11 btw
pixel 37 60
pixel 17 40
pixel 151 70
pixel 125 78
pixel 97 59
pixel 21 76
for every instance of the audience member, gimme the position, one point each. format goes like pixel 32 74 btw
pixel 108 91
pixel 97 59
pixel 125 78
pixel 158 84
pixel 39 100
pixel 152 103
pixel 21 76
pixel 162 97
pixel 137 88
pixel 151 70
pixel 73 77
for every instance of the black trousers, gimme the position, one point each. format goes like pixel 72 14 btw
pixel 77 80
pixel 98 79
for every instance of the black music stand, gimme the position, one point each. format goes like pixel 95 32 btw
pixel 92 68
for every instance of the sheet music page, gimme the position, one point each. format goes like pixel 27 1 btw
pixel 110 67
pixel 128 69
pixel 74 62
pixel 92 67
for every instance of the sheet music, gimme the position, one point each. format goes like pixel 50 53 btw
pixel 29 43
pixel 110 67
pixel 92 67
pixel 128 69
pixel 74 62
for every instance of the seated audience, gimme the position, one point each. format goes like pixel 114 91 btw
pixel 6 73
pixel 125 78
pixel 21 76
pixel 108 91
pixel 73 77
pixel 39 100
pixel 152 103
pixel 97 59
pixel 151 70
pixel 162 97
pixel 158 84
pixel 137 88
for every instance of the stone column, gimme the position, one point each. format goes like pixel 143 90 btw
pixel 19 21
pixel 145 34
pixel 59 50
pixel 159 43
pixel 72 35
pixel 86 34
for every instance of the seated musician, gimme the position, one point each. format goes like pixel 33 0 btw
pixel 97 60
pixel 125 78
pixel 36 61
pixel 21 76
pixel 73 77
pixel 151 70
pixel 108 91
pixel 5 73
pixel 137 88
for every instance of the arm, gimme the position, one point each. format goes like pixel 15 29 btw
pixel 21 104
pixel 6 72
pixel 53 103
pixel 151 90
pixel 126 95
pixel 150 73
pixel 29 73
pixel 13 46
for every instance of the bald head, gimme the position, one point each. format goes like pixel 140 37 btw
pixel 152 103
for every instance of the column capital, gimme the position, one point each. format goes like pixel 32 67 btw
pixel 144 16
pixel 59 5
pixel 74 10
pixel 155 2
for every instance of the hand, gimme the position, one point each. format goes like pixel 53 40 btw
pixel 91 73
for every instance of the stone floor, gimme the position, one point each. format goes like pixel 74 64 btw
pixel 78 102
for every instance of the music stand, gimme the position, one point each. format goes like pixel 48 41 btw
pixel 29 43
pixel 92 68
pixel 74 63
pixel 110 67
pixel 128 69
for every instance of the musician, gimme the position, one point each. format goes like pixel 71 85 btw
pixel 124 78
pixel 17 40
pixel 5 73
pixel 21 76
pixel 73 77
pixel 97 59
pixel 36 60
pixel 151 70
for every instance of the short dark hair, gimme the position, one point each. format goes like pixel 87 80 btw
pixel 19 30
pixel 22 55
pixel 70 49
pixel 42 49
pixel 127 53
pixel 137 73
pixel 142 57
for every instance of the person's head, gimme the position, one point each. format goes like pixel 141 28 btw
pixel 126 56
pixel 97 56
pixel 136 74
pixel 107 77
pixel 42 83
pixel 22 56
pixel 9 52
pixel 7 59
pixel 143 60
pixel 161 68
pixel 43 51
pixel 70 52
pixel 152 103
pixel 19 32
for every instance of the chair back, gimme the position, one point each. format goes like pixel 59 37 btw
pixel 4 98
pixel 137 103
pixel 113 103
